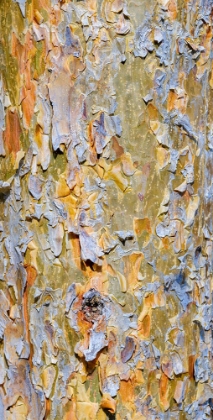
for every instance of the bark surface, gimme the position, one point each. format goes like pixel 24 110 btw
pixel 106 146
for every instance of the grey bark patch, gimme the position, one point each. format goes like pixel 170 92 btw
pixel 35 187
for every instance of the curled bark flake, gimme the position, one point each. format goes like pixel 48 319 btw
pixel 128 350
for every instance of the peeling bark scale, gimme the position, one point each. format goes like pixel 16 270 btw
pixel 106 203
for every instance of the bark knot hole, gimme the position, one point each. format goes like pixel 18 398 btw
pixel 92 305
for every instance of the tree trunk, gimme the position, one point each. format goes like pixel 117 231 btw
pixel 106 141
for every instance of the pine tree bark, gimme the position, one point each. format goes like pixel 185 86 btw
pixel 106 140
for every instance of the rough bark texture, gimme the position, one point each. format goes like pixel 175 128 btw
pixel 106 144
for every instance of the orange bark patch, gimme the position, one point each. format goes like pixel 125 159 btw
pixel 177 101
pixel 144 327
pixel 28 104
pixel 172 9
pixel 12 133
pixel 127 391
pixel 62 190
pixel 163 391
pixel 19 52
pixel 139 379
pixel 116 147
pixel 108 403
pixel 70 414
pixel 191 362
pixel 38 135
pixel 24 53
pixel 74 65
pixel 165 242
pixel 171 100
pixel 159 298
pixel 31 275
pixel 37 5
pixel 43 4
pixel 163 157
pixel 153 112
pixel 141 225
pixel 84 326
pixel 149 300
pixel 132 267
pixel 48 408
